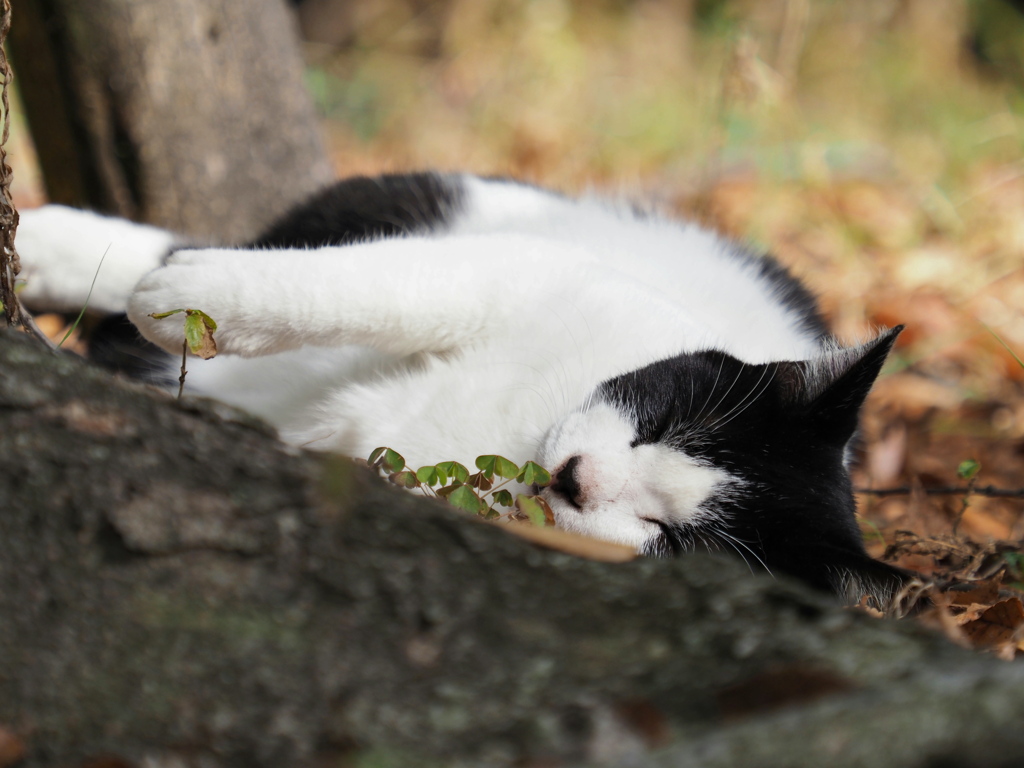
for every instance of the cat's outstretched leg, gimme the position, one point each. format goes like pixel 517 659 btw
pixel 61 250
pixel 400 296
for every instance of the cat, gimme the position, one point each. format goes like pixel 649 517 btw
pixel 683 390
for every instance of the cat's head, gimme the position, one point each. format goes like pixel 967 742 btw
pixel 705 451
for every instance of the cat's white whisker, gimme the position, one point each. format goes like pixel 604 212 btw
pixel 749 399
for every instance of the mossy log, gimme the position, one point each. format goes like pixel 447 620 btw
pixel 178 588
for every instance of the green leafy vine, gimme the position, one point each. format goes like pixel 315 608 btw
pixel 480 493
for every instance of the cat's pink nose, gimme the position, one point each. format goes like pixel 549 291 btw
pixel 566 482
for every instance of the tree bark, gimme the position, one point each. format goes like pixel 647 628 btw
pixel 188 114
pixel 177 588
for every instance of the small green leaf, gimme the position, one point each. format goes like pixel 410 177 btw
pixel 505 468
pixel 496 465
pixel 968 469
pixel 454 470
pixel 207 320
pixel 530 506
pixel 504 498
pixel 464 497
pixel 533 474
pixel 199 328
pixel 406 479
pixel 429 475
pixel 390 461
pixel 486 465
pixel 448 490
pixel 199 334
pixel 393 461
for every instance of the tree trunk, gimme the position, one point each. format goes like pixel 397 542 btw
pixel 189 114
pixel 179 589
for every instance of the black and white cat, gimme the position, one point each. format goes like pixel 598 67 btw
pixel 683 390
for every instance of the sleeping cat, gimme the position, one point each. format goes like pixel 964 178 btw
pixel 684 391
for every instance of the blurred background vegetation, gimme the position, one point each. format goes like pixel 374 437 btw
pixel 876 146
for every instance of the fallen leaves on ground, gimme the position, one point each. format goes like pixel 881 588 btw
pixel 952 391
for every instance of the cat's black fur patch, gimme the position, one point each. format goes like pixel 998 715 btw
pixel 790 292
pixel 362 208
pixel 116 344
pixel 793 509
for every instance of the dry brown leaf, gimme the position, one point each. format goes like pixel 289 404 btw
pixel 572 543
pixel 997 624
pixel 940 618
pixel 887 456
pixel 969 613
pixel 913 396
pixel 1005 652
pixel 984 593
pixel 956 557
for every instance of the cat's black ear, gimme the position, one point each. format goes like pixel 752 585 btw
pixel 832 387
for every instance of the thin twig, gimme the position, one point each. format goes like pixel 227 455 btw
pixel 961 490
pixel 29 322
pixel 184 357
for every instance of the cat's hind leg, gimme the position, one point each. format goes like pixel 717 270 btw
pixel 61 251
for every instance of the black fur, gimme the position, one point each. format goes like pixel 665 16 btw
pixel 363 208
pixel 793 510
pixel 115 344
pixel 792 293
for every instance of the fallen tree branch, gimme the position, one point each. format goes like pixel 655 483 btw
pixel 978 490
pixel 178 588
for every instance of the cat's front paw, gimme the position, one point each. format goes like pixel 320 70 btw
pixel 217 282
pixel 66 253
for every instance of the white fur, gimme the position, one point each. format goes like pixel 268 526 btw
pixel 624 490
pixel 486 339
pixel 62 249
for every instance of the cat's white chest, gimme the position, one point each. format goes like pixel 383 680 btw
pixel 441 409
